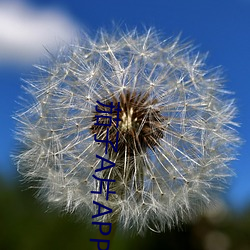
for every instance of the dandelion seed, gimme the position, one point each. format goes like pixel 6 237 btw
pixel 176 134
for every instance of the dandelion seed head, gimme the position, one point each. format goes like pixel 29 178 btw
pixel 176 131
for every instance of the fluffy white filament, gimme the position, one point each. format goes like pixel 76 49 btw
pixel 183 168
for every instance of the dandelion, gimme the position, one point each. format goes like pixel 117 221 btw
pixel 177 134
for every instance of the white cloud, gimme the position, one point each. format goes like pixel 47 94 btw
pixel 25 31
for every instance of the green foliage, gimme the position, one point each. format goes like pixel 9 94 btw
pixel 26 226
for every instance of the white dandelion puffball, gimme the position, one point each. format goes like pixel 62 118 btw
pixel 176 130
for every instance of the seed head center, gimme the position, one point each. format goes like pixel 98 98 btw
pixel 140 126
pixel 127 120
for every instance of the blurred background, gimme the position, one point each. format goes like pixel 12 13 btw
pixel 29 28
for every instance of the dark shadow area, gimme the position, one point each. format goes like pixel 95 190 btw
pixel 25 225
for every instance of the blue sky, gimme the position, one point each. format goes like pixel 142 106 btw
pixel 221 27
